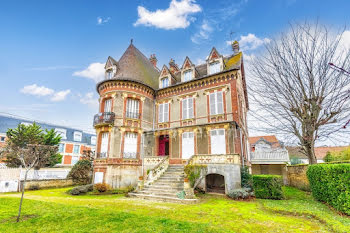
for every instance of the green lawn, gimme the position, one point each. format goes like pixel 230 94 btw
pixel 55 211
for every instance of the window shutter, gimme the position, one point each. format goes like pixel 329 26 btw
pixel 160 113
pixel 219 102
pixel 166 112
pixel 184 109
pixel 212 103
pixel 190 107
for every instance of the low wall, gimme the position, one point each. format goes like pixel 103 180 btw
pixel 43 184
pixel 297 177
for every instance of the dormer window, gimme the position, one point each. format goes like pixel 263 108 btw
pixel 187 75
pixel 77 136
pixel 214 67
pixel 165 82
pixel 109 74
pixel 61 132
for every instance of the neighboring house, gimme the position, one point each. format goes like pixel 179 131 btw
pixel 181 113
pixel 73 142
pixel 268 155
pixel 320 153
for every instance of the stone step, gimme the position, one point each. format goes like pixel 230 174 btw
pixel 165 186
pixel 158 193
pixel 163 198
pixel 158 190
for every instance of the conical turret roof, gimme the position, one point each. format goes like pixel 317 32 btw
pixel 133 65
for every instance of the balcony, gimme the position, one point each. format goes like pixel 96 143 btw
pixel 133 115
pixel 105 118
pixel 269 157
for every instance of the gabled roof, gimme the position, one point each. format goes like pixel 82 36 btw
pixel 111 62
pixel 271 139
pixel 187 63
pixel 133 65
pixel 165 71
pixel 214 54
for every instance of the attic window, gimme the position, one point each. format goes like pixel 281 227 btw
pixel 187 75
pixel 77 136
pixel 109 74
pixel 165 82
pixel 214 67
pixel 61 132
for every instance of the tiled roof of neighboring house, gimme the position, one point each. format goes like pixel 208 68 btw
pixel 270 138
pixel 320 152
pixel 9 122
pixel 134 65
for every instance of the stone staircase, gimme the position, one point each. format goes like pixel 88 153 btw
pixel 166 187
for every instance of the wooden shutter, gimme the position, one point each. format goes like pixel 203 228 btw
pixel 166 112
pixel 212 101
pixel 187 145
pixel 184 109
pixel 160 113
pixel 219 102
pixel 190 107
pixel 218 142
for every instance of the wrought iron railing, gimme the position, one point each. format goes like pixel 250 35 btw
pixel 130 155
pixel 133 115
pixel 101 155
pixel 104 118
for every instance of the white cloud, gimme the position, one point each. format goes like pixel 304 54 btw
pixel 95 71
pixel 101 21
pixel 90 100
pixel 204 33
pixel 251 42
pixel 60 95
pixel 176 16
pixel 36 90
pixel 45 91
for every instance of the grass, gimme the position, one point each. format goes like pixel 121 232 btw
pixel 55 211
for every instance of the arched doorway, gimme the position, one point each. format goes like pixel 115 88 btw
pixel 215 183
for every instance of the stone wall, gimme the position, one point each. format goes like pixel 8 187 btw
pixel 297 177
pixel 43 184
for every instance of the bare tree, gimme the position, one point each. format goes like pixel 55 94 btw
pixel 33 156
pixel 295 92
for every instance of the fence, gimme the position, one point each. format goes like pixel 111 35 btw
pixel 46 174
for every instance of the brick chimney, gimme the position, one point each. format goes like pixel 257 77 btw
pixel 235 47
pixel 153 60
pixel 173 66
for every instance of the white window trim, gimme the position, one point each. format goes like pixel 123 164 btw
pixel 190 71
pixel 78 150
pixel 107 107
pixel 132 108
pixel 220 143
pixel 130 145
pixel 93 138
pixel 79 135
pixel 61 132
pixel 105 150
pixel 167 83
pixel 64 148
pixel 211 65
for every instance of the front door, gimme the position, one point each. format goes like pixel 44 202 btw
pixel 163 145
pixel 187 145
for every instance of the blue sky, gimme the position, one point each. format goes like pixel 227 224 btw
pixel 52 52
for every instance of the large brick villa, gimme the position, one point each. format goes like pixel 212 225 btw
pixel 179 114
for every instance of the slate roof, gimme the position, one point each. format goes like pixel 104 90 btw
pixel 133 65
pixel 9 122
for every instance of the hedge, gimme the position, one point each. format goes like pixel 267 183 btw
pixel 268 186
pixel 331 183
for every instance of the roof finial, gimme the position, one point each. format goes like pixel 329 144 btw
pixel 131 41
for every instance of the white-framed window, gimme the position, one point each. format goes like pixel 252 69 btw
pixel 130 145
pixel 165 82
pixel 104 145
pixel 218 141
pixel 93 140
pixel 109 74
pixel 187 108
pixel 108 105
pixel 75 159
pixel 187 75
pixel 98 177
pixel 216 103
pixel 77 136
pixel 187 145
pixel 61 132
pixel 61 148
pixel 163 112
pixel 132 108
pixel 76 149
pixel 214 67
